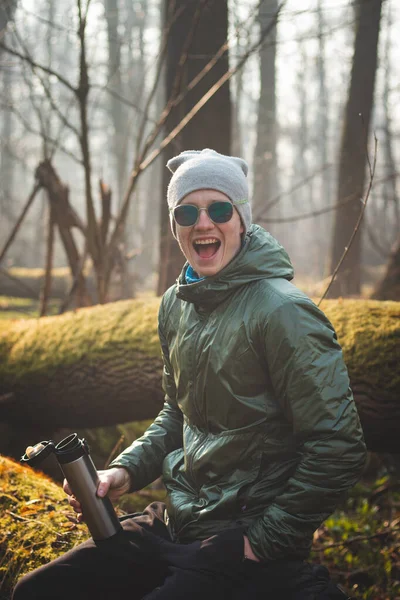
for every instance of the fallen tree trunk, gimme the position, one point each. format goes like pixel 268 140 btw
pixel 87 368
pixel 27 283
pixel 102 366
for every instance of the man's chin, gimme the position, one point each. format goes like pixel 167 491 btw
pixel 207 271
pixel 206 267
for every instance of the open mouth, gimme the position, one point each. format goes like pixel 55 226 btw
pixel 206 248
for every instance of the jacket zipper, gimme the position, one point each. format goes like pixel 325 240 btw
pixel 201 418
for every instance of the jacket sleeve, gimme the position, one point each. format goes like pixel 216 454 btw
pixel 145 456
pixel 310 380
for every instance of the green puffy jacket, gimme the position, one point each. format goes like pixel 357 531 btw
pixel 259 425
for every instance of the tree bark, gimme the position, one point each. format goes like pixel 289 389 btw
pixel 117 110
pixel 389 287
pixel 265 160
pixel 354 149
pixel 195 36
pixel 102 366
pixel 65 218
pixel 45 292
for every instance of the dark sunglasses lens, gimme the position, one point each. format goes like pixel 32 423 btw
pixel 186 215
pixel 220 212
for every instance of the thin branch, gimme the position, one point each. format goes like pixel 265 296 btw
pixel 46 91
pixel 310 215
pixel 353 235
pixel 29 84
pixel 114 451
pixel 18 224
pixel 358 538
pixel 295 187
pixel 47 21
pixel 36 65
pixel 47 279
pixel 383 252
pixel 97 86
pixel 22 285
pixel 74 285
pixel 28 127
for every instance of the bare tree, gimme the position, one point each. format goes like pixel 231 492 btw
pixel 194 89
pixel 7 10
pixel 354 148
pixel 117 111
pixel 199 29
pixel 265 159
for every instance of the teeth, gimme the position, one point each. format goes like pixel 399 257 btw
pixel 209 241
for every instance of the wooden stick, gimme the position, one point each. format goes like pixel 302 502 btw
pixel 19 222
pixel 46 289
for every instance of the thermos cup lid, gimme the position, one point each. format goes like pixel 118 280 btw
pixel 69 449
pixel 35 454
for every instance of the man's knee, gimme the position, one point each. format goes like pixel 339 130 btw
pixel 29 587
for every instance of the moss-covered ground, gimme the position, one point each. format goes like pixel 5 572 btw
pixel 360 543
pixel 37 523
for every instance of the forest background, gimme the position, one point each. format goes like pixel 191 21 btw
pixel 95 97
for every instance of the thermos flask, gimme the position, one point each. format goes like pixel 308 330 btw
pixel 77 466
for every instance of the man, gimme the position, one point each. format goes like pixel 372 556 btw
pixel 258 439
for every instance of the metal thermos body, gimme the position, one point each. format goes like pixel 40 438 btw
pixel 80 472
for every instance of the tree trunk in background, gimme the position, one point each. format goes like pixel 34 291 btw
pixel 144 215
pixel 354 149
pixel 237 83
pixel 6 160
pixel 265 163
pixel 117 110
pixel 195 36
pixel 322 140
pixel 7 10
pixel 389 287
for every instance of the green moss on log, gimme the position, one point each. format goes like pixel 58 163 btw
pixel 369 333
pixel 85 335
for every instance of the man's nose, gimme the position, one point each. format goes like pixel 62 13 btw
pixel 204 221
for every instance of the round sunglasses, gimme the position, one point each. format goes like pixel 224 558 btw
pixel 187 215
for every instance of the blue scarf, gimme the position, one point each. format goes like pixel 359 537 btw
pixel 191 275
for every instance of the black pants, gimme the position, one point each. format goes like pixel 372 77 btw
pixel 144 563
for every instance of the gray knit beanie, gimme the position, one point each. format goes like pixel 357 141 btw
pixel 206 169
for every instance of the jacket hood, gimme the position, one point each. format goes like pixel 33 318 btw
pixel 261 257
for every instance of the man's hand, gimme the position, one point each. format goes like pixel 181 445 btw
pixel 113 482
pixel 248 552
